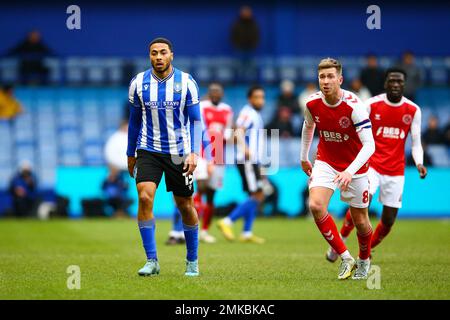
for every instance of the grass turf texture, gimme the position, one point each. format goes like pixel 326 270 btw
pixel 34 255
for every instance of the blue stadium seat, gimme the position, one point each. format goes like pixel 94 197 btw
pixel 113 70
pixel 439 155
pixel 54 67
pixel 93 154
pixel 224 70
pixel 9 70
pixel 75 70
pixel 71 158
pixel 267 72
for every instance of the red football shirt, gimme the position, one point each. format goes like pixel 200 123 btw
pixel 391 123
pixel 338 127
pixel 217 119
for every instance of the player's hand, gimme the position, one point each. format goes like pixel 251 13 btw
pixel 422 171
pixel 190 163
pixel 210 168
pixel 307 167
pixel 247 154
pixel 342 180
pixel 131 165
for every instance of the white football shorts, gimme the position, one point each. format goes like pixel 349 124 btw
pixel 391 188
pixel 356 196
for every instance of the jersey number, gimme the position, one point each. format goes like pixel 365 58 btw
pixel 365 196
pixel 189 180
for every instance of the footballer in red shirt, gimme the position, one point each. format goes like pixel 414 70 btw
pixel 393 117
pixel 345 146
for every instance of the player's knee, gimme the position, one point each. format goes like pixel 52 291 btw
pixel 316 206
pixel 389 215
pixel 362 226
pixel 145 197
pixel 185 207
pixel 258 196
pixel 388 221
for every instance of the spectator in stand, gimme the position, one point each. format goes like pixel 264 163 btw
pixel 31 52
pixel 310 89
pixel 357 87
pixel 115 187
pixel 245 37
pixel 447 134
pixel 287 97
pixel 9 106
pixel 372 76
pixel 115 190
pixel 413 72
pixel 433 135
pixel 23 189
pixel 282 122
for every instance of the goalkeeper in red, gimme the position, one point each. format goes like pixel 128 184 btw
pixel 345 146
pixel 393 117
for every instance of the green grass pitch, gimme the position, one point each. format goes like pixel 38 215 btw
pixel 414 261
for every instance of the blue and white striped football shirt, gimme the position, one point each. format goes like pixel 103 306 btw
pixel 165 116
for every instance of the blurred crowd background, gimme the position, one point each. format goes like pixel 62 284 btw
pixel 63 96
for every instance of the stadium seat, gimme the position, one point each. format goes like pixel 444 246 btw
pixel 439 155
pixel 75 71
pixel 9 70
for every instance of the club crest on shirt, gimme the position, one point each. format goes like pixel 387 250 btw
pixel 407 119
pixel 177 87
pixel 344 122
pixel 377 116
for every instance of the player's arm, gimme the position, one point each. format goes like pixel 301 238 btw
pixel 363 127
pixel 306 141
pixel 228 131
pixel 243 123
pixel 195 126
pixel 416 149
pixel 134 125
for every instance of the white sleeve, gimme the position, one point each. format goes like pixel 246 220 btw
pixel 132 94
pixel 228 128
pixel 307 135
pixel 360 118
pixel 368 148
pixel 244 119
pixel 417 150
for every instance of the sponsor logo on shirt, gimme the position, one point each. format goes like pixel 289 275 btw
pixel 391 133
pixel 331 136
pixel 162 104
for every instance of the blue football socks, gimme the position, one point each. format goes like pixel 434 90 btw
pixel 147 230
pixel 191 236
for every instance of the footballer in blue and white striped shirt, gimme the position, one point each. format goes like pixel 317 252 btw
pixel 164 136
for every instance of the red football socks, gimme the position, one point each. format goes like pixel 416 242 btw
pixel 380 232
pixel 364 241
pixel 348 225
pixel 207 216
pixel 329 230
